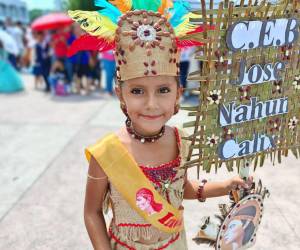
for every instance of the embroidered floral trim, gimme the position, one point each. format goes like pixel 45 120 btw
pixel 169 243
pixel 228 134
pixel 296 82
pixel 214 96
pixel 274 125
pixel 133 225
pixel 212 140
pixel 245 91
pixel 118 241
pixel 293 123
pixel 172 162
pixel 145 33
pixel 278 87
pixel 114 237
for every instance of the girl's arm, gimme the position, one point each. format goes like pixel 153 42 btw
pixel 213 189
pixel 93 215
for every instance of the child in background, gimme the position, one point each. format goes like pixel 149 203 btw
pixel 59 79
pixel 139 169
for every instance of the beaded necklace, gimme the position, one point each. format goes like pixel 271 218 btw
pixel 142 138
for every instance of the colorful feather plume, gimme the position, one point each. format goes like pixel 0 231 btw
pixel 200 29
pixel 146 5
pixel 94 23
pixel 88 42
pixel 122 5
pixel 179 10
pixel 165 6
pixel 184 27
pixel 102 24
pixel 187 43
pixel 108 10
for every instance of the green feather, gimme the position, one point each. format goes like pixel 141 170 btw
pixel 146 5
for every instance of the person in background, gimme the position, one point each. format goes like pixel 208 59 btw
pixel 58 79
pixel 80 63
pixel 10 80
pixel 94 70
pixel 109 67
pixel 16 31
pixel 10 29
pixel 82 73
pixel 185 58
pixel 42 62
pixel 71 61
pixel 59 44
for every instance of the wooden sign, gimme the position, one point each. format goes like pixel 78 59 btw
pixel 249 98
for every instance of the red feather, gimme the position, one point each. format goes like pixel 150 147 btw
pixel 88 42
pixel 200 29
pixel 187 43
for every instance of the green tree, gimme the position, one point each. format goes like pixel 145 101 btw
pixel 81 5
pixel 33 14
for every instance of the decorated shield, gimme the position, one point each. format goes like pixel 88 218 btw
pixel 248 104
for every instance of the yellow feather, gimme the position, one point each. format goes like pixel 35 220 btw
pixel 185 26
pixel 94 23
pixel 122 5
pixel 165 4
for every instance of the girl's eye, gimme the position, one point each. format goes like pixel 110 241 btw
pixel 164 90
pixel 137 91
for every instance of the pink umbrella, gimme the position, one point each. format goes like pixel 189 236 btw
pixel 51 21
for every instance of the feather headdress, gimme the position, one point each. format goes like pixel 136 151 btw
pixel 146 35
pixel 102 24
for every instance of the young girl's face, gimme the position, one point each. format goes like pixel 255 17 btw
pixel 150 101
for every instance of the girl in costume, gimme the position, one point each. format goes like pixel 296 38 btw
pixel 139 169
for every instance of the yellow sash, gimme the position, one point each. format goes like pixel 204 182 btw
pixel 125 174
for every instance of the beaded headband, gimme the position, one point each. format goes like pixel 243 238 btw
pixel 147 35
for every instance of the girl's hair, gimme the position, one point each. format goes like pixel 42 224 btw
pixel 147 194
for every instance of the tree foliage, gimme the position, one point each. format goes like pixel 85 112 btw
pixel 81 5
pixel 33 14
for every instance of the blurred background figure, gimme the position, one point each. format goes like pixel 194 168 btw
pixel 17 33
pixel 59 79
pixel 95 71
pixel 109 67
pixel 42 61
pixel 185 57
pixel 10 80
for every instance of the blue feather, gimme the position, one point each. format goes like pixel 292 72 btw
pixel 180 8
pixel 109 10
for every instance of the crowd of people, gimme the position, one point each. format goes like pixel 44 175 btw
pixel 44 54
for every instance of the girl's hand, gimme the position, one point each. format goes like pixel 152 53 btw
pixel 237 183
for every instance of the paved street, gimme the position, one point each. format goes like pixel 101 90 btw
pixel 43 174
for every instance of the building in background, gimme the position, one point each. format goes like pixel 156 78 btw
pixel 15 10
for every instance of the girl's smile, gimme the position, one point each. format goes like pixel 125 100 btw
pixel 149 101
pixel 151 117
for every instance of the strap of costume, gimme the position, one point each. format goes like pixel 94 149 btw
pixel 125 174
